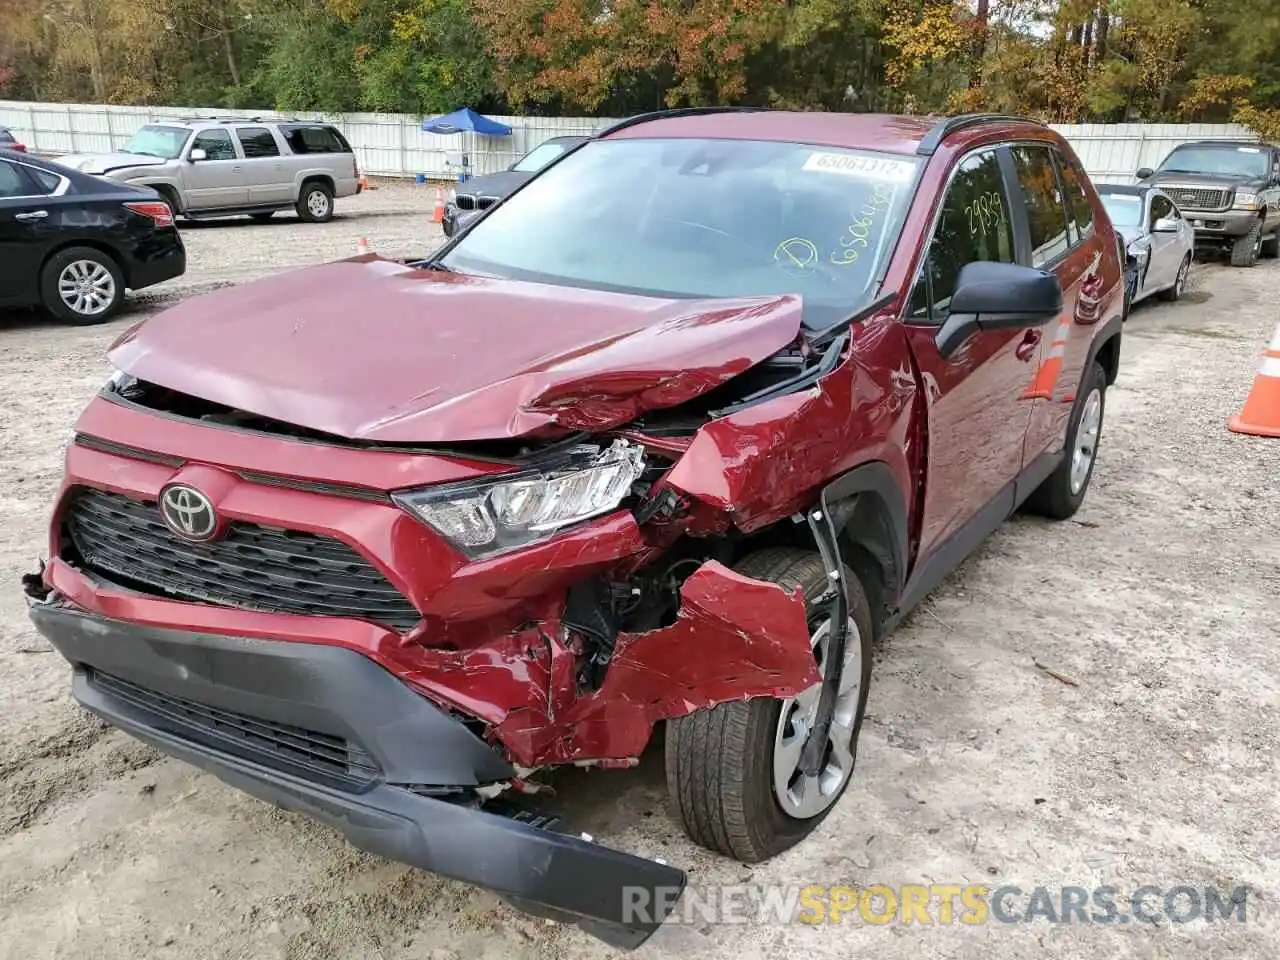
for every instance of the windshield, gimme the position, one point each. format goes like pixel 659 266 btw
pixel 157 141
pixel 539 157
pixel 702 218
pixel 1229 161
pixel 1124 209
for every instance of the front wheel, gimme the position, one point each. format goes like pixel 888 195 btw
pixel 81 286
pixel 1061 494
pixel 1246 250
pixel 316 203
pixel 733 770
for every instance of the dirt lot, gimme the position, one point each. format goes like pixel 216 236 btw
pixel 1159 767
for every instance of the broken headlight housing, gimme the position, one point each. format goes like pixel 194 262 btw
pixel 485 517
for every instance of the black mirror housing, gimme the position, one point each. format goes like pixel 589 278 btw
pixel 998 296
pixel 1144 172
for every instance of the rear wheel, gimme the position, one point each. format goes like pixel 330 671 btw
pixel 315 205
pixel 1246 250
pixel 1061 494
pixel 733 769
pixel 81 286
pixel 1180 283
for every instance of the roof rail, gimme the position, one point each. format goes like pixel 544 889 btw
pixel 640 118
pixel 949 125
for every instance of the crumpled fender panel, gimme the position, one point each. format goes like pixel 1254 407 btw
pixel 767 462
pixel 734 638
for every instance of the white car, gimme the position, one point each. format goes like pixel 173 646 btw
pixel 1160 241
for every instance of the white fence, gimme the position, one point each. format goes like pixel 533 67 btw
pixel 395 145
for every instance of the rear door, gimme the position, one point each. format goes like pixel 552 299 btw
pixel 265 174
pixel 218 181
pixel 1063 239
pixel 26 225
pixel 977 414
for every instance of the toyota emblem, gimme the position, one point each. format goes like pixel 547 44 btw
pixel 188 512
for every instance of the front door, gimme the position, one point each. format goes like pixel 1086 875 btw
pixel 977 414
pixel 1166 256
pixel 217 181
pixel 24 225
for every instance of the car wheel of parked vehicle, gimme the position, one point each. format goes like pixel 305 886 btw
pixel 1060 496
pixel 733 769
pixel 1271 248
pixel 316 203
pixel 1180 283
pixel 1246 250
pixel 81 285
pixel 262 217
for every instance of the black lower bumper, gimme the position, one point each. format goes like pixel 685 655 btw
pixel 328 733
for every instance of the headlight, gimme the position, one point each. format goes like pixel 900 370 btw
pixel 486 517
pixel 1246 201
pixel 451 196
pixel 1138 250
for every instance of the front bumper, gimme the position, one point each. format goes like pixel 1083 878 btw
pixel 1212 225
pixel 274 718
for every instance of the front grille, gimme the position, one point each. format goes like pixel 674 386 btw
pixel 252 566
pixel 484 203
pixel 308 753
pixel 1193 198
pixel 465 201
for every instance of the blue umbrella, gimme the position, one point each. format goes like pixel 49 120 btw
pixel 464 121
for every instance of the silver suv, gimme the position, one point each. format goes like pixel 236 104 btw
pixel 220 167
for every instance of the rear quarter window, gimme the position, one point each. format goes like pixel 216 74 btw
pixel 315 139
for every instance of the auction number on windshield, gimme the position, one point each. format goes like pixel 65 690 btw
pixel 858 234
pixel 985 213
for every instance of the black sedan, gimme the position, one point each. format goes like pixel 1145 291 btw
pixel 72 243
pixel 479 193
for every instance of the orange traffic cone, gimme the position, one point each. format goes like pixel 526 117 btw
pixel 437 215
pixel 1046 377
pixel 1261 414
pixel 362 246
pixel 365 184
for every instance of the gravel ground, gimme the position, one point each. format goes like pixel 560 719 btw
pixel 1157 765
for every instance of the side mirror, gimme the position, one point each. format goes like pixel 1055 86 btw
pixel 1144 172
pixel 998 296
pixel 197 155
pixel 1165 225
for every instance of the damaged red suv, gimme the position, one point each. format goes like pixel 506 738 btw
pixel 671 433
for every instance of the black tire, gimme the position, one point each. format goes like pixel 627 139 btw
pixel 1271 247
pixel 720 760
pixel 262 217
pixel 51 275
pixel 1055 498
pixel 170 196
pixel 309 207
pixel 1245 250
pixel 1174 293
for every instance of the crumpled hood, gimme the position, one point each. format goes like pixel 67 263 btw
pixel 1209 181
pixel 371 349
pixel 493 184
pixel 100 163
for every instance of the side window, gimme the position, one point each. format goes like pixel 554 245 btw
pixel 1046 212
pixel 216 143
pixel 1079 208
pixel 973 225
pixel 13 182
pixel 314 140
pixel 1161 207
pixel 257 142
pixel 46 181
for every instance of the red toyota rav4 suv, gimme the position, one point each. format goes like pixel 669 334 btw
pixel 671 433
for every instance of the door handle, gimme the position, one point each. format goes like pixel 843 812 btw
pixel 1027 348
pixel 33 215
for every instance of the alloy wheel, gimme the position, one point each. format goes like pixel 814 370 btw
pixel 87 287
pixel 1086 445
pixel 799 795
